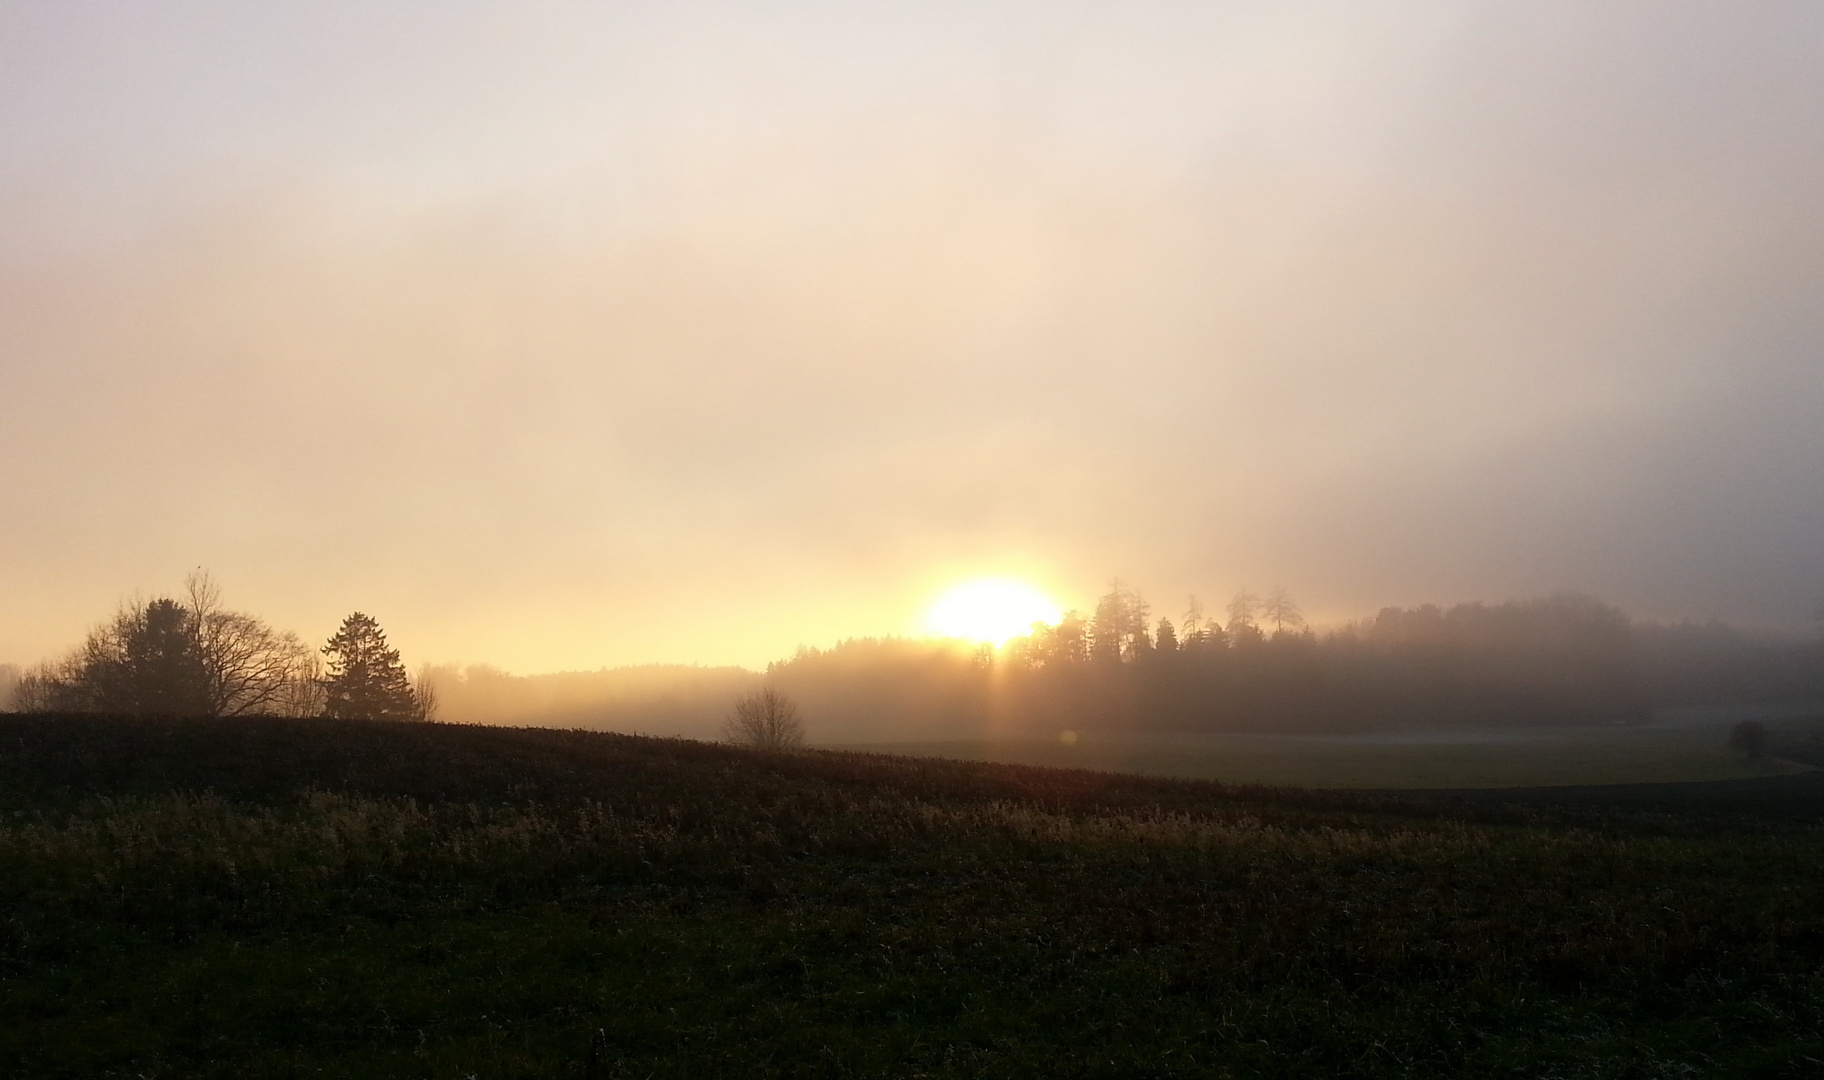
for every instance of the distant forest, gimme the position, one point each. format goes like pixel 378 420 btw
pixel 1561 660
pixel 651 699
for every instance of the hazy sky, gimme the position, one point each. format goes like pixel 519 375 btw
pixel 569 334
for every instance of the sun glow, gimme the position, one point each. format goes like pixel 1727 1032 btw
pixel 990 610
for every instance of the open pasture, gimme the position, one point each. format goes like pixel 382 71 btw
pixel 1454 759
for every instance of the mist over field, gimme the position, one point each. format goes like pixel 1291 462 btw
pixel 692 333
pixel 957 539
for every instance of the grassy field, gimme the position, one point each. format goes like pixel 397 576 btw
pixel 304 898
pixel 1614 755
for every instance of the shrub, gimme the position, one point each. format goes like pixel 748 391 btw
pixel 1749 735
pixel 765 720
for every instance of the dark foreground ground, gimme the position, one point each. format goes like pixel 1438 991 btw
pixel 305 898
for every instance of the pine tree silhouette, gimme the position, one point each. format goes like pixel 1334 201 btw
pixel 366 680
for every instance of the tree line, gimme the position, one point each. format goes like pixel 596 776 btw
pixel 1558 660
pixel 1565 659
pixel 191 656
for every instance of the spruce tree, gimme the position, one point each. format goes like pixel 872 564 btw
pixel 165 673
pixel 366 680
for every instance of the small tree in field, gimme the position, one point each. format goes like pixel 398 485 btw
pixel 765 720
pixel 1749 736
pixel 366 680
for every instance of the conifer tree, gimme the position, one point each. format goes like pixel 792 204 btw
pixel 1118 630
pixel 165 672
pixel 366 680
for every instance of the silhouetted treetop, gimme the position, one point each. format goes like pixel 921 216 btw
pixel 366 681
pixel 1118 631
pixel 1281 610
pixel 1564 659
pixel 167 657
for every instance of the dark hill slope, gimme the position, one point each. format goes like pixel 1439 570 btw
pixel 60 760
pixel 301 898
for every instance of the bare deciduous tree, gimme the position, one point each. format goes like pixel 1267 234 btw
pixel 1243 610
pixel 304 695
pixel 1192 624
pixel 765 720
pixel 1282 611
pixel 250 668
pixel 424 692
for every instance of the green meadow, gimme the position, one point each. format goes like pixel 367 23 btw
pixel 1569 756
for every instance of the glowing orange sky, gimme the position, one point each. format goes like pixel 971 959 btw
pixel 586 334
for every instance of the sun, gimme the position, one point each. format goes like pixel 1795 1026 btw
pixel 990 610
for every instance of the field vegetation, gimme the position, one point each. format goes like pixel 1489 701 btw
pixel 249 897
pixel 1445 759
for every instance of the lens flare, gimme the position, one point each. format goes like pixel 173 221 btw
pixel 990 610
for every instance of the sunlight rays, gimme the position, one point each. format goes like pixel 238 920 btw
pixel 990 610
